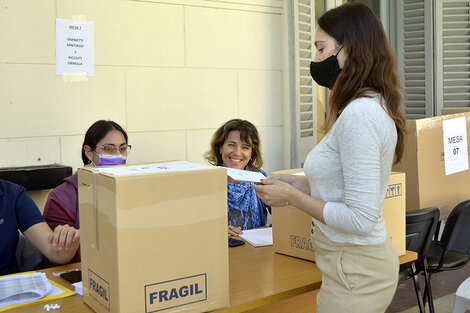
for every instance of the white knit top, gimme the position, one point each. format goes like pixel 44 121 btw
pixel 350 170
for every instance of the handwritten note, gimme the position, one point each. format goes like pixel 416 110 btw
pixel 455 145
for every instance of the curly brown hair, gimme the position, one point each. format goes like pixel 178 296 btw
pixel 248 135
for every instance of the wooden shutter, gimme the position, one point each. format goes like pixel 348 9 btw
pixel 305 92
pixel 452 56
pixel 415 55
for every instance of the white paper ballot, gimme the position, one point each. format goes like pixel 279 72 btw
pixel 258 237
pixel 151 168
pixel 299 174
pixel 455 145
pixel 242 175
pixel 74 47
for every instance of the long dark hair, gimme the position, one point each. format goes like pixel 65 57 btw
pixel 248 135
pixel 98 131
pixel 370 66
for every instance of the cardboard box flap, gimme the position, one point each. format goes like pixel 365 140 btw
pixel 150 168
pixel 291 226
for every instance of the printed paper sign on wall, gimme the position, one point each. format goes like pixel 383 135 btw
pixel 74 48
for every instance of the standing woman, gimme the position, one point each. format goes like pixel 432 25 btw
pixel 236 144
pixel 105 144
pixel 349 170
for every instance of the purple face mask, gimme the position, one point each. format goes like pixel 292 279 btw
pixel 107 160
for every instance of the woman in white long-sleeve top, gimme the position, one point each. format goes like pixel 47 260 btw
pixel 349 170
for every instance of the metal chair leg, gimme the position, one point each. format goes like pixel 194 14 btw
pixel 417 287
pixel 427 288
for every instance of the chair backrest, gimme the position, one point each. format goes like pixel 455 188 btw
pixel 456 234
pixel 420 228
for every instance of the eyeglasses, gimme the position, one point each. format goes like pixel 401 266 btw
pixel 111 149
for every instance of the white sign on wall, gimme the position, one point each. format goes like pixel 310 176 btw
pixel 455 145
pixel 74 48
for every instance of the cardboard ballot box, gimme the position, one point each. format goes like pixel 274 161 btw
pixel 154 238
pixel 291 226
pixel 425 166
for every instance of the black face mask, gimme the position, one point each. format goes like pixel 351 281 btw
pixel 326 72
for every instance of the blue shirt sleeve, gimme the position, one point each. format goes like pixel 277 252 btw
pixel 17 212
pixel 27 212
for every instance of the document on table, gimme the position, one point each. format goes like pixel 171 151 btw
pixel 23 288
pixel 258 237
pixel 28 288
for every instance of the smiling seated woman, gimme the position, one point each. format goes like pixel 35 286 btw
pixel 236 145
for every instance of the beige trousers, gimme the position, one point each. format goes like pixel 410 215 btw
pixel 355 278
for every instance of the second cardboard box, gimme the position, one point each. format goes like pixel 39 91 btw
pixel 291 226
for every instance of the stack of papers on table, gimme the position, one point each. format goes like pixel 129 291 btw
pixel 258 237
pixel 24 289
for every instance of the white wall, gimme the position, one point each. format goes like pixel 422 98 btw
pixel 169 73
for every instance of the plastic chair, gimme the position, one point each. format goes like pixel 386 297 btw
pixel 452 251
pixel 420 228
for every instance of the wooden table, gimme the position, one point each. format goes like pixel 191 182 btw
pixel 258 277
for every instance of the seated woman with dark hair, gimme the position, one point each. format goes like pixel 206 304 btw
pixel 236 145
pixel 105 144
